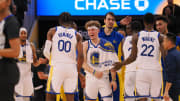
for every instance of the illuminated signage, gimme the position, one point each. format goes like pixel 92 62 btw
pixel 97 7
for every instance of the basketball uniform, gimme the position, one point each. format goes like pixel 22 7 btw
pixel 100 58
pixel 130 72
pixel 25 88
pixel 63 69
pixel 148 75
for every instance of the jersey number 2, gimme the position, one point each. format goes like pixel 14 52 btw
pixel 64 46
pixel 144 53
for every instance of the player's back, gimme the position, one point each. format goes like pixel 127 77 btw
pixel 64 46
pixel 148 50
pixel 127 47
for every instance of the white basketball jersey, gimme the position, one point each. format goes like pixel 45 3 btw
pixel 148 50
pixel 127 47
pixel 63 46
pixel 102 56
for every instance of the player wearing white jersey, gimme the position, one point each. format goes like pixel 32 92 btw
pixel 146 47
pixel 63 42
pixel 24 89
pixel 130 73
pixel 99 55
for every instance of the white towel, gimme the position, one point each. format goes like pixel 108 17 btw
pixel 29 53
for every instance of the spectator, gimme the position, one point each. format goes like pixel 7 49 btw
pixel 175 9
pixel 21 7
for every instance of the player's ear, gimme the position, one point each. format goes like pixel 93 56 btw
pixel 9 2
pixel 98 30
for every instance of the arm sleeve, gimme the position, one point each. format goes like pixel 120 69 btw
pixel 11 28
pixel 170 68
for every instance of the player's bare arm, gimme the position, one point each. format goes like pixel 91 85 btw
pixel 122 44
pixel 113 82
pixel 80 59
pixel 35 60
pixel 163 52
pixel 79 48
pixel 14 49
pixel 132 57
pixel 97 74
pixel 51 33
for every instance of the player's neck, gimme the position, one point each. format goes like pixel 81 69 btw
pixel 165 32
pixel 23 42
pixel 67 25
pixel 95 41
pixel 4 14
pixel 149 29
pixel 108 31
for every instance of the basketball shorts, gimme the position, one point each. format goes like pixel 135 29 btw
pixel 94 85
pixel 149 83
pixel 62 74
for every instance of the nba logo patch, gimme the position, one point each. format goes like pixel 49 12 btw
pixel 95 58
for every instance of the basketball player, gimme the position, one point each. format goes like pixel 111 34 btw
pixel 24 89
pixel 130 73
pixel 9 49
pixel 162 27
pixel 146 46
pixel 108 33
pixel 63 42
pixel 99 55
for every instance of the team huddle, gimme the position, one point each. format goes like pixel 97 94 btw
pixel 142 51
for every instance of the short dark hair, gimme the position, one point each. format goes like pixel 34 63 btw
pixel 163 18
pixel 171 37
pixel 65 18
pixel 93 23
pixel 149 18
pixel 136 26
pixel 109 13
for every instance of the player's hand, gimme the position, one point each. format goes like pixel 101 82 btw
pixel 166 96
pixel 114 85
pixel 117 66
pixel 42 61
pixel 126 20
pixel 82 80
pixel 98 74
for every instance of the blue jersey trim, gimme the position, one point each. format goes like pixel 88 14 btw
pixel 56 28
pixel 158 35
pixel 149 31
pixel 67 27
pixel 69 92
pixel 138 34
pixel 90 99
pixel 93 44
pixel 106 96
pixel 157 97
pixel 52 93
pixel 23 96
pixel 8 16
